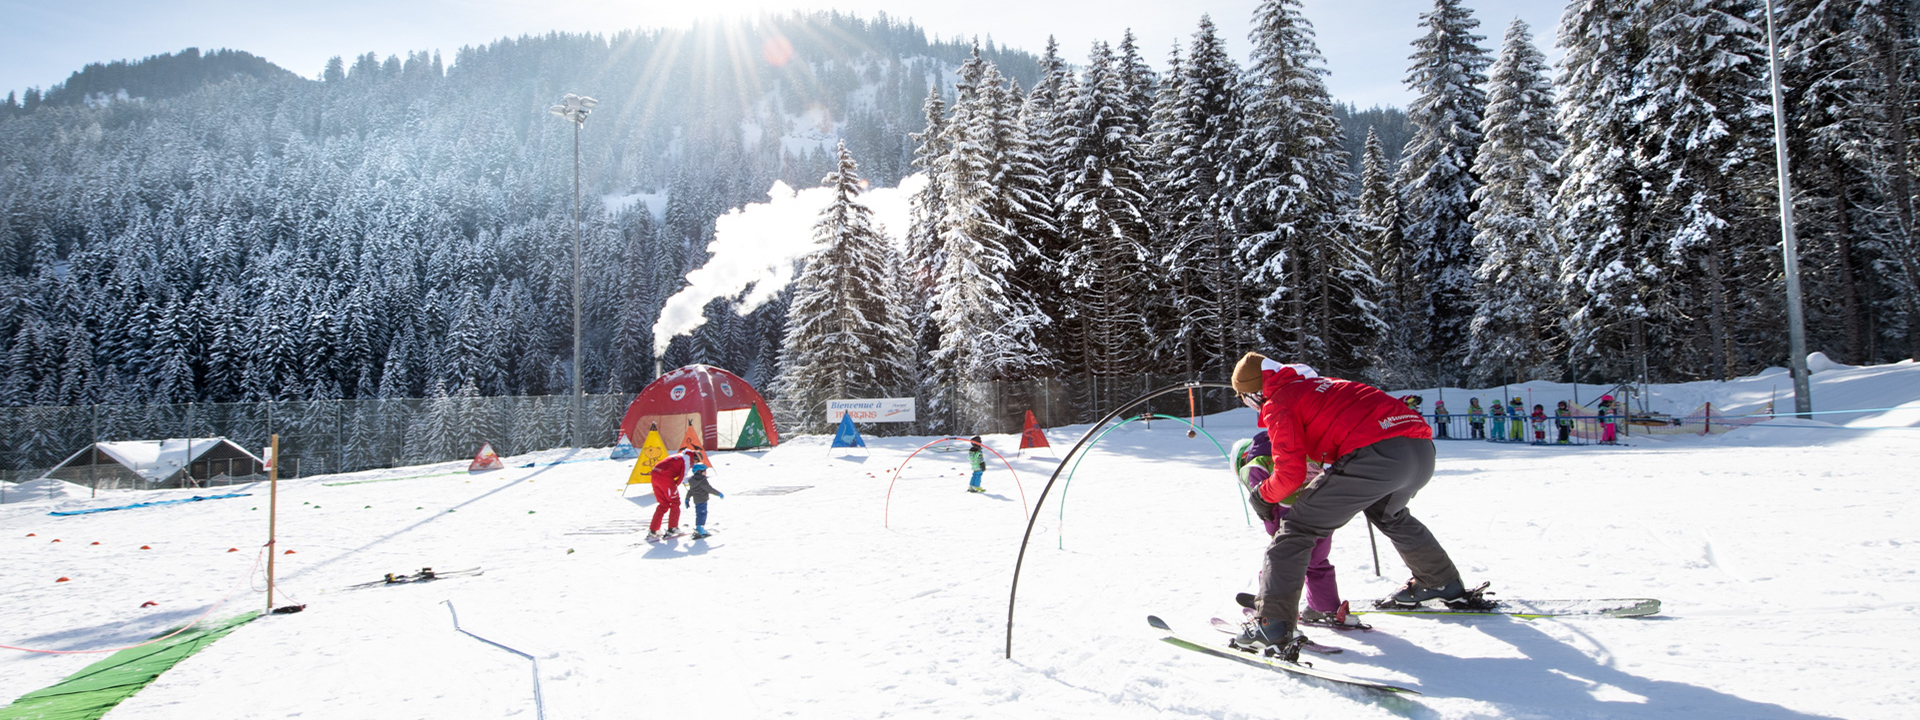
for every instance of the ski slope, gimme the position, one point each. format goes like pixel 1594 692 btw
pixel 1786 555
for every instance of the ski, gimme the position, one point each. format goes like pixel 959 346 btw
pixel 1533 609
pixel 1477 602
pixel 1300 669
pixel 425 574
pixel 1229 627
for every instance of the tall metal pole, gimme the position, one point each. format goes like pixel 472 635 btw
pixel 574 109
pixel 573 434
pixel 1796 324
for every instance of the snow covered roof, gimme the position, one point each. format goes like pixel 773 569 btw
pixel 157 460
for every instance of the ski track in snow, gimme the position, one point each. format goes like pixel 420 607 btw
pixel 1785 559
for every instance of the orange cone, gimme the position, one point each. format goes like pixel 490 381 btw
pixel 289 552
pixel 233 549
pixel 148 604
pixel 64 578
pixel 146 547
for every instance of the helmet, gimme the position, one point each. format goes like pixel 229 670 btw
pixel 1606 398
pixel 1517 400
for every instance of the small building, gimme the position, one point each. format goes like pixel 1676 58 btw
pixel 159 464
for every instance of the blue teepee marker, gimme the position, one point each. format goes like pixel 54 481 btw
pixel 847 436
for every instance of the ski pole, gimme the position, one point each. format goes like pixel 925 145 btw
pixel 1376 550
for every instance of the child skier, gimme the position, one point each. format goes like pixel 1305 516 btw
pixel 1477 418
pixel 1518 413
pixel 1606 419
pixel 1539 418
pixel 667 476
pixel 1441 419
pixel 977 459
pixel 697 489
pixel 1563 417
pixel 1253 460
pixel 1499 413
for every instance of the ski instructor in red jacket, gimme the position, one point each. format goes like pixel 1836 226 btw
pixel 1378 453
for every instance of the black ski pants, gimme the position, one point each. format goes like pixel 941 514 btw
pixel 1377 480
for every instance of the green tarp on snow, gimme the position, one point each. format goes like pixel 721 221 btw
pixel 90 693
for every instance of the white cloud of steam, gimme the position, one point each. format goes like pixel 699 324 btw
pixel 755 246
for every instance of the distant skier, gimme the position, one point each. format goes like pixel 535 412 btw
pixel 1441 419
pixel 1518 414
pixel 667 476
pixel 698 487
pixel 1539 418
pixel 1477 418
pixel 1253 461
pixel 1563 419
pixel 1379 454
pixel 977 459
pixel 1498 413
pixel 1606 413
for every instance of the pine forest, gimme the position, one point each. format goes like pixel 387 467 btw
pixel 210 228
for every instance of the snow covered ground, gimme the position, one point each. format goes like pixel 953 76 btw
pixel 1786 556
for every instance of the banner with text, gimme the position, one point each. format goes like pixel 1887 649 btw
pixel 879 410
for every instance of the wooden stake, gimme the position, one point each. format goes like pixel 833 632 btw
pixel 273 510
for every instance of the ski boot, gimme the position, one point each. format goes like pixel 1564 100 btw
pixel 1339 619
pixel 654 537
pixel 672 532
pixel 1414 593
pixel 700 532
pixel 1272 638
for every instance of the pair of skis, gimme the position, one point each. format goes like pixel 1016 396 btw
pixel 1476 602
pixel 426 574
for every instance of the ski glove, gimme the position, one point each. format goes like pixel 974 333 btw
pixel 719 494
pixel 1261 508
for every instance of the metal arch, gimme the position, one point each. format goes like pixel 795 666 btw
pixel 1013 593
pixel 1248 514
pixel 887 512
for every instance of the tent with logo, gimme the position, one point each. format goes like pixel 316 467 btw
pixel 718 407
pixel 155 464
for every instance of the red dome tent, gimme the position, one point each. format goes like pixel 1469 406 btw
pixel 730 413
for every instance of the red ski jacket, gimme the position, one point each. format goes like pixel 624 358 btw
pixel 1308 417
pixel 668 474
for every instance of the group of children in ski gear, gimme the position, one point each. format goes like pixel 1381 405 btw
pixel 1375 453
pixel 1511 425
pixel 683 467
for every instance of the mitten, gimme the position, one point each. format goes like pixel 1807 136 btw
pixel 1261 508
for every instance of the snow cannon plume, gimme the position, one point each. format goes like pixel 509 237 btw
pixel 755 247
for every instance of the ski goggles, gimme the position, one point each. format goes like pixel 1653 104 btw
pixel 1253 399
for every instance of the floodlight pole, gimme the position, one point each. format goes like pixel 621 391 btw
pixel 1796 324
pixel 574 109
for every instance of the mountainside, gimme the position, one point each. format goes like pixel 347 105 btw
pixel 161 76
pixel 263 236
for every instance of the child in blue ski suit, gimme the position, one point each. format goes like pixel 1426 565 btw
pixel 1499 413
pixel 977 459
pixel 697 489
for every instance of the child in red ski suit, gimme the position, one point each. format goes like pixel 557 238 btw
pixel 667 476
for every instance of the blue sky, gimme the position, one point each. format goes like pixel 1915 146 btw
pixel 41 42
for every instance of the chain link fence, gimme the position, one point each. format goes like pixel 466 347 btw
pixel 317 437
pixel 336 436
